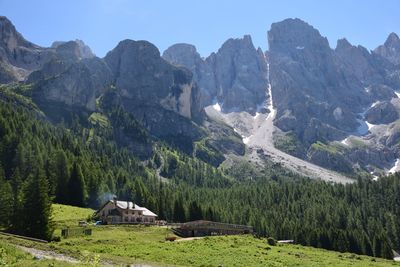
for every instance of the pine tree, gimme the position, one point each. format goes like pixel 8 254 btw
pixel 195 212
pixel 6 201
pixel 59 171
pixel 179 211
pixel 76 187
pixel 36 207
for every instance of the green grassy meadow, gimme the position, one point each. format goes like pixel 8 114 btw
pixel 124 245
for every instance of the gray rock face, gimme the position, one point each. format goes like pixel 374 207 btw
pixel 382 113
pixel 186 55
pixel 70 78
pixel 235 76
pixel 357 64
pixel 160 95
pixel 84 50
pixel 144 77
pixel 390 50
pixel 380 92
pixel 310 91
pixel 335 161
pixel 18 56
pixel 324 95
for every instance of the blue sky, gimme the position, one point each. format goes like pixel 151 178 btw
pixel 206 23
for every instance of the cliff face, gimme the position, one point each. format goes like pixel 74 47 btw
pixel 161 96
pixel 312 97
pixel 18 57
pixel 235 76
pixel 390 50
pixel 70 78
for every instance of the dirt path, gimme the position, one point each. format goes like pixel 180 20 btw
pixel 189 238
pixel 44 254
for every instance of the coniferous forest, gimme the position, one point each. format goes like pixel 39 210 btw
pixel 81 165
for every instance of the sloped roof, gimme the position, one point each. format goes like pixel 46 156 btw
pixel 132 206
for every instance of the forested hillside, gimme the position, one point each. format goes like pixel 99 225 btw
pixel 82 165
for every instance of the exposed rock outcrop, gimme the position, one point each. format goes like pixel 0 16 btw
pixel 18 56
pixel 70 78
pixel 161 96
pixel 235 76
pixel 310 91
pixel 390 50
pixel 382 113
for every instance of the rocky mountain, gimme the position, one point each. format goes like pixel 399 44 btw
pixel 161 96
pixel 321 95
pixel 390 50
pixel 132 87
pixel 235 76
pixel 337 108
pixel 18 57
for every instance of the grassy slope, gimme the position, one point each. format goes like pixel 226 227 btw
pixel 11 256
pixel 64 215
pixel 140 244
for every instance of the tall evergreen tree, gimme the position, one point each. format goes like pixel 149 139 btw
pixel 6 201
pixel 179 211
pixel 195 212
pixel 36 207
pixel 59 174
pixel 76 187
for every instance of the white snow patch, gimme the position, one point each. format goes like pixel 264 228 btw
pixel 246 139
pixel 396 166
pixel 217 107
pixel 270 103
pixel 397 93
pixel 256 116
pixel 236 131
pixel 370 125
pixel 374 104
pixel 345 141
pixel 374 177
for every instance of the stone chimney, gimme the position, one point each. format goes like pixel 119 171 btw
pixel 115 201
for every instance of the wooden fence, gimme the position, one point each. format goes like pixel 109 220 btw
pixel 71 232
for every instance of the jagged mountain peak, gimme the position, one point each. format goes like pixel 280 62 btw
pixel 182 54
pixel 82 50
pixel 139 49
pixel 343 44
pixel 238 43
pixel 295 34
pixel 182 47
pixel 9 37
pixel 393 38
pixel 390 50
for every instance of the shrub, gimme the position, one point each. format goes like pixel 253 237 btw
pixel 271 241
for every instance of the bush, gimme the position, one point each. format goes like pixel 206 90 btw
pixel 271 241
pixel 56 239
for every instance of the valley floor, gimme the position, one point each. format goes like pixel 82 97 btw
pixel 146 246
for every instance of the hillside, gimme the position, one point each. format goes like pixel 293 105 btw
pixel 138 244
